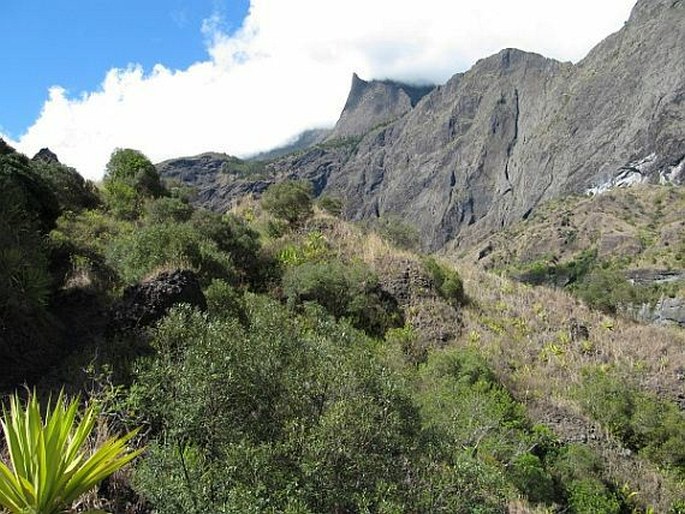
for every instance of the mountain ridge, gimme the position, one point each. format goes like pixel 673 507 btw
pixel 483 150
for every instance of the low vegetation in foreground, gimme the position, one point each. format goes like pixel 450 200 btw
pixel 314 366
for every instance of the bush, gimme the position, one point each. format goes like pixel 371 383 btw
pixel 606 290
pixel 234 237
pixel 529 475
pixel 590 496
pixel 447 281
pixel 135 255
pixel 331 205
pixel 72 191
pixel 654 427
pixel 345 290
pixel 28 209
pixel 164 210
pixel 289 200
pixel 276 413
pixel 129 179
pixel 400 233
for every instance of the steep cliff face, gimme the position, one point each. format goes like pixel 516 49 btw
pixel 483 150
pixel 370 104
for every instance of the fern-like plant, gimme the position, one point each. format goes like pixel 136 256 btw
pixel 50 468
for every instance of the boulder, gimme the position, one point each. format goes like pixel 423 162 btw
pixel 144 304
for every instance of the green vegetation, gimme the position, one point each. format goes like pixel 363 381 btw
pixel 645 424
pixel 329 372
pixel 590 247
pixel 129 179
pixel 290 201
pixel 447 281
pixel 50 470
pixel 398 232
pixel 243 168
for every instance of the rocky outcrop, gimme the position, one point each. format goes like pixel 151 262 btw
pixel 433 319
pixel 370 104
pixel 46 156
pixel 5 149
pixel 485 149
pixel 667 311
pixel 144 304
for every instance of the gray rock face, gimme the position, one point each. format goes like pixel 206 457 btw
pixel 667 311
pixel 370 104
pixel 483 150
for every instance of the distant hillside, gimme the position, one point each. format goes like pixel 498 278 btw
pixel 485 149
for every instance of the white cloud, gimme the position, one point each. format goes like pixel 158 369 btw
pixel 289 67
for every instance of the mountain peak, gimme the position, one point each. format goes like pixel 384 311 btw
pixel 375 102
pixel 47 156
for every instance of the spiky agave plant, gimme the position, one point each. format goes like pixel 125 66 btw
pixel 50 466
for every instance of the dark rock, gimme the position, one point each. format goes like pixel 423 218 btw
pixel 642 277
pixel 146 303
pixel 434 320
pixel 578 331
pixel 5 149
pixel 485 251
pixel 47 156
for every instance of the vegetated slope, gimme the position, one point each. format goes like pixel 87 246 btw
pixel 483 150
pixel 607 382
pixel 622 250
pixel 332 372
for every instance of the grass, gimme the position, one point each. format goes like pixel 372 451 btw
pixel 524 332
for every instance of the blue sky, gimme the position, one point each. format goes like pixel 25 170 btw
pixel 72 43
pixel 181 77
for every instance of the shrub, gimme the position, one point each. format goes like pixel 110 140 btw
pixel 135 255
pixel 279 412
pixel 72 191
pixel 447 282
pixel 129 179
pixel 331 205
pixel 654 427
pixel 529 475
pixel 289 200
pixel 233 236
pixel 163 210
pixel 590 496
pixel 345 290
pixel 134 169
pixel 49 468
pixel 400 233
pixel 606 290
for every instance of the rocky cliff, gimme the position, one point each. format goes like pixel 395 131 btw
pixel 483 150
pixel 372 104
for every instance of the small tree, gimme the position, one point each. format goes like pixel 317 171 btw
pixel 289 200
pixel 129 178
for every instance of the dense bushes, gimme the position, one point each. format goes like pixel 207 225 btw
pixel 654 427
pixel 447 281
pixel 288 412
pixel 345 290
pixel 137 254
pixel 289 200
pixel 130 179
pixel 28 209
